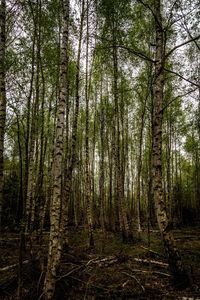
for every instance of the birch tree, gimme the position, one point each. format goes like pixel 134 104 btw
pixel 178 270
pixel 55 238
pixel 2 95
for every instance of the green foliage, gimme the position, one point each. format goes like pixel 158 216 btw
pixel 191 144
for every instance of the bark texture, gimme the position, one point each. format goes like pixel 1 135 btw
pixel 55 239
pixel 87 167
pixel 72 161
pixel 2 95
pixel 179 273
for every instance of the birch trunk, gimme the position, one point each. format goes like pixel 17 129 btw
pixel 69 169
pixel 124 226
pixel 87 168
pixel 2 95
pixel 178 271
pixel 101 155
pixel 139 167
pixel 55 239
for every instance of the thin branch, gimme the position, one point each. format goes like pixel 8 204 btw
pixel 151 272
pixel 13 266
pixel 135 278
pixel 177 97
pixel 182 77
pixel 130 50
pixel 152 251
pixel 188 31
pixel 70 272
pixel 170 14
pixel 137 53
pixel 151 10
pixel 180 18
pixel 182 44
pixel 155 262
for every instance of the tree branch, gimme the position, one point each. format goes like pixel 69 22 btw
pixel 151 10
pixel 188 31
pixel 137 53
pixel 170 14
pixel 177 97
pixel 182 77
pixel 180 45
pixel 178 19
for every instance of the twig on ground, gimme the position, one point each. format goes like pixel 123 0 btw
pixel 151 272
pixel 13 266
pixel 152 251
pixel 138 282
pixel 105 261
pixel 70 272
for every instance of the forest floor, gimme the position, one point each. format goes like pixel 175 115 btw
pixel 112 270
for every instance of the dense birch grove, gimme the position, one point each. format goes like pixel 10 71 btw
pixel 99 123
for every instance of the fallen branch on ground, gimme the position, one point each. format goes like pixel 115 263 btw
pixel 187 238
pixel 154 262
pixel 152 251
pixel 13 266
pixel 69 273
pixel 107 261
pixel 151 272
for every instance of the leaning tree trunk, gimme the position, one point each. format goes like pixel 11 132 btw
pixel 2 95
pixel 178 271
pixel 55 239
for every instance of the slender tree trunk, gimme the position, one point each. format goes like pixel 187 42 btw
pixel 2 96
pixel 65 202
pixel 178 271
pixel 34 153
pixel 112 216
pixel 21 199
pixel 55 239
pixel 39 197
pixel 47 193
pixel 168 156
pixel 102 167
pixel 87 168
pixel 93 163
pixel 27 179
pixel 139 167
pixel 124 227
pixel 73 157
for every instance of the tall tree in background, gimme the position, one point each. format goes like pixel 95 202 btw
pixel 2 95
pixel 73 151
pixel 32 117
pixel 87 165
